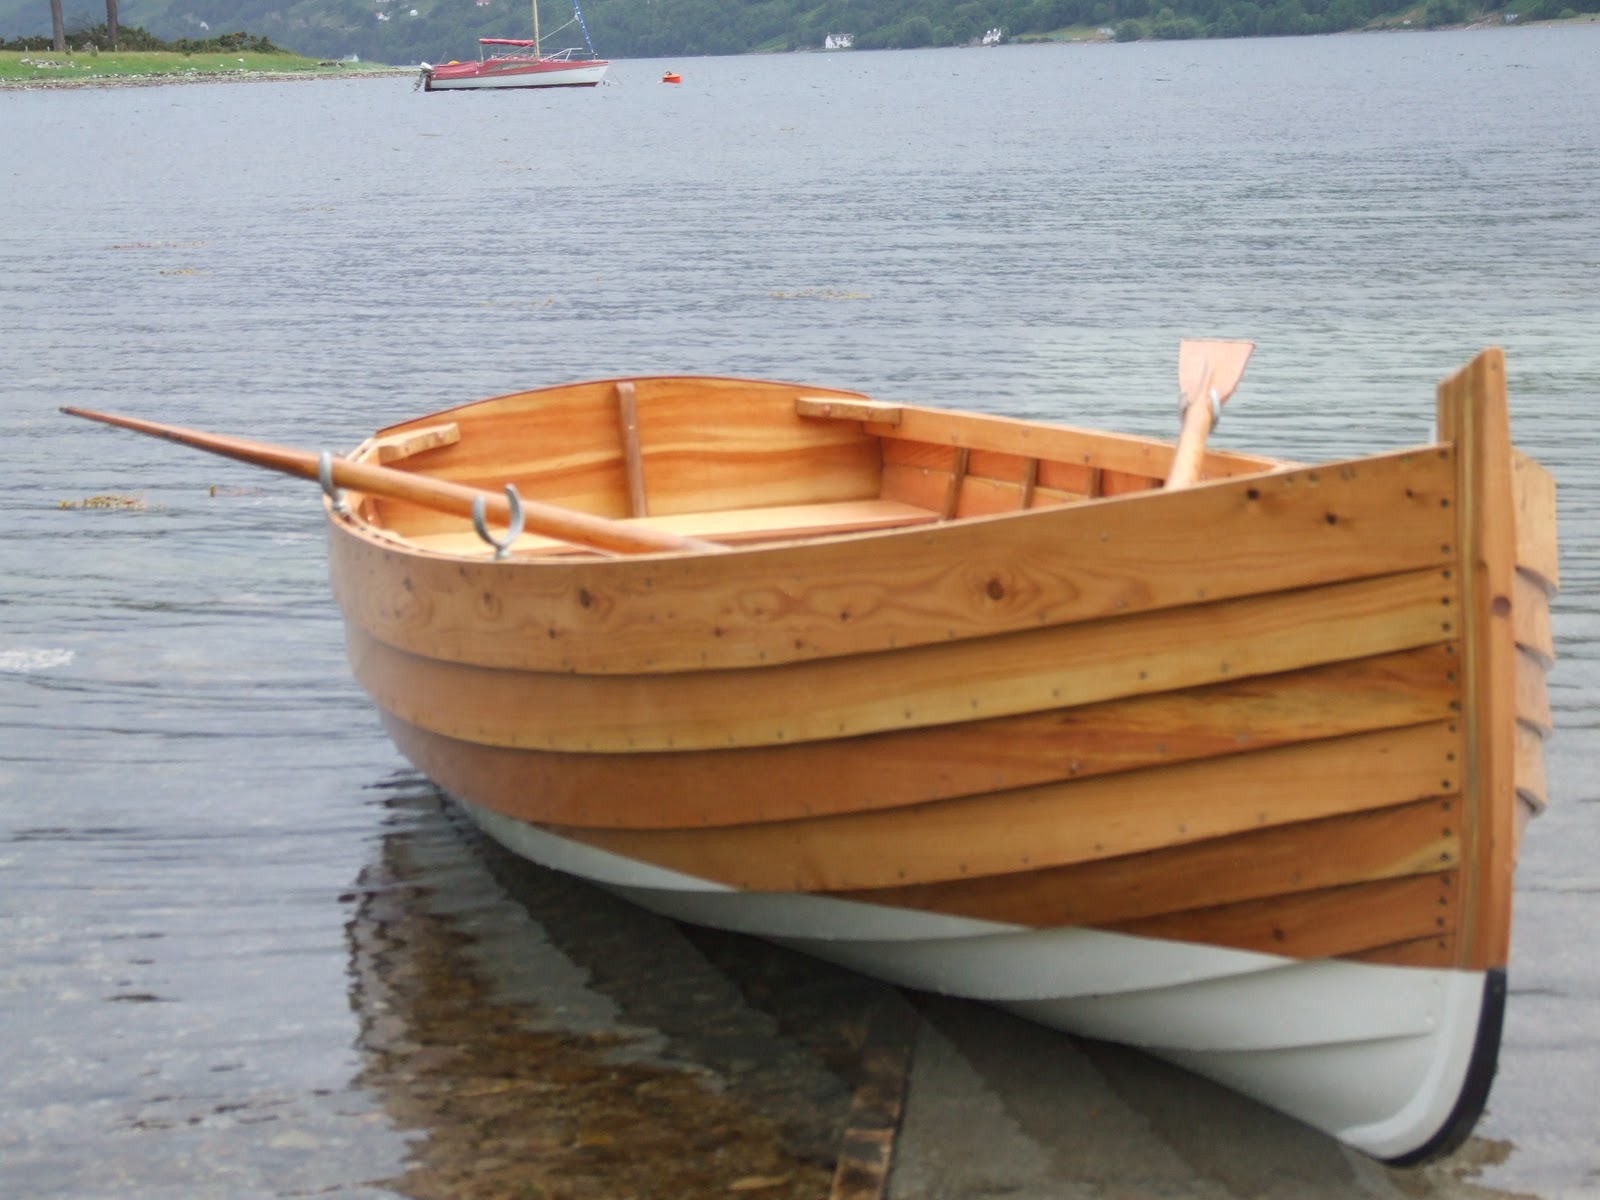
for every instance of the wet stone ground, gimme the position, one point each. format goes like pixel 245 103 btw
pixel 542 1039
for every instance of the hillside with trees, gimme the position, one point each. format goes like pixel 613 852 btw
pixel 409 31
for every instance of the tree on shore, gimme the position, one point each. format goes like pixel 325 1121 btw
pixel 58 28
pixel 111 22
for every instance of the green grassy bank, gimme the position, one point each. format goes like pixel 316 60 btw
pixel 45 68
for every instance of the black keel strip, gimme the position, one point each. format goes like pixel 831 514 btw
pixel 1480 1076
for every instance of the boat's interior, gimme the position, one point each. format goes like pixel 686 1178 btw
pixel 742 461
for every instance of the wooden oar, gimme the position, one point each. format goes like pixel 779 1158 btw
pixel 580 529
pixel 1208 372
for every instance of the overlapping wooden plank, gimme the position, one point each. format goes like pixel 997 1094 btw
pixel 1125 483
pixel 1049 668
pixel 1323 924
pixel 1073 479
pixel 1077 822
pixel 1436 952
pixel 1411 839
pixel 1532 788
pixel 991 464
pixel 981 497
pixel 777 783
pixel 960 580
pixel 1533 694
pixel 1534 490
pixel 1530 615
pixel 904 483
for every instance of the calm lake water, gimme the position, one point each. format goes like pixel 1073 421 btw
pixel 245 952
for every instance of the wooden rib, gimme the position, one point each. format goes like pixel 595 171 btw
pixel 1530 614
pixel 952 493
pixel 955 581
pixel 975 487
pixel 778 783
pixel 843 409
pixel 633 461
pixel 1057 824
pixel 931 685
pixel 1534 490
pixel 914 471
pixel 405 445
pixel 1030 481
pixel 1411 839
pixel 1118 452
pixel 1323 924
pixel 1472 413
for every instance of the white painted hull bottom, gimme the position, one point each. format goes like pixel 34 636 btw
pixel 1389 1060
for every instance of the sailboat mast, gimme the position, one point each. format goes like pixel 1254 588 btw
pixel 536 53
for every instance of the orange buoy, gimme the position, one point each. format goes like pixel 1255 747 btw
pixel 671 77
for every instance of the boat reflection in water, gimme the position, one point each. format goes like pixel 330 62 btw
pixel 543 1036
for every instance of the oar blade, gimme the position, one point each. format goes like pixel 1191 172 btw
pixel 1207 365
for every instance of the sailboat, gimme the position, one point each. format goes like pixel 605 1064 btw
pixel 507 63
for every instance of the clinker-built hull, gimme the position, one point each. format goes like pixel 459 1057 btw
pixel 1234 772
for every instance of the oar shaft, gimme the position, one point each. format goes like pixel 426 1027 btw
pixel 581 529
pixel 1197 422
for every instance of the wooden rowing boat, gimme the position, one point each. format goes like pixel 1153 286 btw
pixel 1221 756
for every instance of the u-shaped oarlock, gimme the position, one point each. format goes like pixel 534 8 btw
pixel 1216 406
pixel 325 477
pixel 502 546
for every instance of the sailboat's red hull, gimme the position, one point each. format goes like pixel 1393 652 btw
pixel 520 72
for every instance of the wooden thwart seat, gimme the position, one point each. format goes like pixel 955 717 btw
pixel 732 527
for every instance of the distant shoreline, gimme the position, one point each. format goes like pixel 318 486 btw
pixel 58 83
